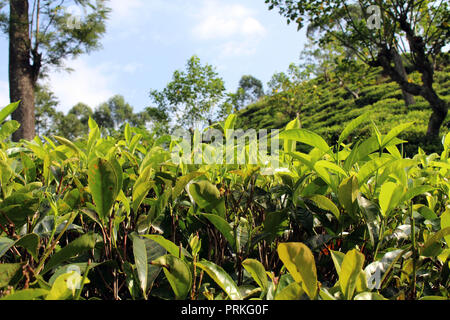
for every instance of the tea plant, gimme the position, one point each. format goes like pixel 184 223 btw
pixel 117 218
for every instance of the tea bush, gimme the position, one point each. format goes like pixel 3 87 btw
pixel 118 218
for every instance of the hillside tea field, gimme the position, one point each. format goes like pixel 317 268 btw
pixel 325 106
pixel 117 218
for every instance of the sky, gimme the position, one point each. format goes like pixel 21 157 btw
pixel 147 40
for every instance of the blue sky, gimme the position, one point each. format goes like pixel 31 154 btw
pixel 147 40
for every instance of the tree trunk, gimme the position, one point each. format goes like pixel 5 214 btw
pixel 22 75
pixel 342 84
pixel 440 111
pixel 400 68
pixel 426 90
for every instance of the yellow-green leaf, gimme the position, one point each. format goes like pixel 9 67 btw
pixel 257 271
pixel 390 195
pixel 350 271
pixel 325 204
pixel 299 260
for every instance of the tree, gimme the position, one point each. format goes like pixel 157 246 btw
pixel 252 89
pixel 104 117
pixel 155 120
pixel 249 91
pixel 46 113
pixel 333 62
pixel 115 112
pixel 42 33
pixel 192 94
pixel 121 111
pixel 282 81
pixel 292 89
pixel 76 123
pixel 383 35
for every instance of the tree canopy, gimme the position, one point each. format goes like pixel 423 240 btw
pixel 192 94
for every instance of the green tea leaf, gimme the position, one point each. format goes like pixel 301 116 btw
pixel 103 185
pixel 394 133
pixel 140 260
pixel 299 261
pixel 31 243
pixel 9 109
pixel 8 128
pixel 276 224
pixel 69 144
pixel 417 191
pixel 221 278
pixel 65 286
pixel 230 122
pixel 7 272
pixel 224 227
pixel 350 269
pixel 171 247
pixel 369 296
pixel 177 273
pixel 338 258
pixel 445 223
pixel 307 137
pixel 76 247
pixel 348 194
pixel 390 196
pixel 26 295
pixel 140 191
pixel 5 245
pixel 352 126
pixel 325 204
pixel 371 216
pixel 257 271
pixel 293 291
pixel 432 247
pixel 290 146
pixel 182 182
pixel 207 197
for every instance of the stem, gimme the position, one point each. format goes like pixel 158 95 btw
pixel 78 294
pixel 380 234
pixel 52 247
pixel 414 251
pixel 195 278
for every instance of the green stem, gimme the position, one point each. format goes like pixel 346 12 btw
pixel 78 294
pixel 380 235
pixel 414 251
pixel 52 247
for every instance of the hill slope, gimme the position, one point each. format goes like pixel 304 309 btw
pixel 325 107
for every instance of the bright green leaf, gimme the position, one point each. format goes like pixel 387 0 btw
pixel 299 261
pixel 221 278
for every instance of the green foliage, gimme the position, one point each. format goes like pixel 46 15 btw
pixel 325 108
pixel 191 95
pixel 371 33
pixel 116 218
pixel 62 33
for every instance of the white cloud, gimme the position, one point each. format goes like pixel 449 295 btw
pixel 4 94
pixel 237 48
pixel 131 67
pixel 252 27
pixel 217 20
pixel 123 10
pixel 87 84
